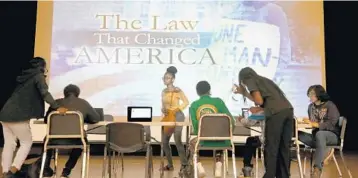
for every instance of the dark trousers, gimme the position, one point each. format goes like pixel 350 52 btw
pixel 71 162
pixel 252 143
pixel 278 135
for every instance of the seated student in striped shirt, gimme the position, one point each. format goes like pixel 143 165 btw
pixel 207 105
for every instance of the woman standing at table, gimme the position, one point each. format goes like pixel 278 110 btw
pixel 279 119
pixel 174 102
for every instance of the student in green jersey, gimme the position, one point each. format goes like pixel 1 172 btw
pixel 207 105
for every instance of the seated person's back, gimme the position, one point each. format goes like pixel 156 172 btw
pixel 72 102
pixel 207 105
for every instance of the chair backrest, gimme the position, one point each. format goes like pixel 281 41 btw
pixel 342 122
pixel 67 125
pixel 125 135
pixel 215 127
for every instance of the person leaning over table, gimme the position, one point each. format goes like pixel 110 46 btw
pixel 25 103
pixel 279 119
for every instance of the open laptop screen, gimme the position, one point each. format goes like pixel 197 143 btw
pixel 139 114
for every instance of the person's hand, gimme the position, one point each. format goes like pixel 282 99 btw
pixel 255 109
pixel 239 118
pixel 62 110
pixel 238 89
pixel 314 124
pixel 164 111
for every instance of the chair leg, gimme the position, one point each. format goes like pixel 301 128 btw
pixel 257 163
pixel 88 161
pixel 299 160
pixel 227 161
pixel 122 155
pixel 224 165
pixel 195 163
pixel 336 163
pixel 44 154
pixel 234 162
pixel 345 164
pixel 104 162
pixel 109 164
pixel 56 162
pixel 115 163
pixel 84 155
pixel 311 162
pixel 147 166
pixel 214 161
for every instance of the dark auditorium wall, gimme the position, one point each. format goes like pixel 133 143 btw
pixel 18 25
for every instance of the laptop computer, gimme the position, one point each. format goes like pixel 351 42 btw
pixel 139 114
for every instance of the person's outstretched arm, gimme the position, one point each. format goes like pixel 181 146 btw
pixel 92 116
pixel 43 89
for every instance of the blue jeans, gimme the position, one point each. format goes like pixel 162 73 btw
pixel 319 141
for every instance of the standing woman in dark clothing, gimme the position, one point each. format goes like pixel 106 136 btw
pixel 25 103
pixel 268 97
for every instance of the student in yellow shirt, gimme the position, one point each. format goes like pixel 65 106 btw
pixel 174 102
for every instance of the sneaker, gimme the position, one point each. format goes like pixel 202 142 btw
pixel 328 157
pixel 247 171
pixel 218 169
pixel 66 173
pixel 201 170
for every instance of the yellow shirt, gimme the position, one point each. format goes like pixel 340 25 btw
pixel 171 100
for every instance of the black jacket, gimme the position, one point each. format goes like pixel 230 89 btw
pixel 73 103
pixel 27 101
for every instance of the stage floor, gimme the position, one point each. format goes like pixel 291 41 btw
pixel 134 167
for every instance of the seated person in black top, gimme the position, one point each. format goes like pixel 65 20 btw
pixel 74 103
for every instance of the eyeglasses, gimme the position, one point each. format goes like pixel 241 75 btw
pixel 310 94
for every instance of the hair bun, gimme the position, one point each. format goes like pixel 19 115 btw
pixel 172 70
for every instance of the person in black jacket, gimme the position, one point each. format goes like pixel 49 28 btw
pixel 268 97
pixel 73 103
pixel 323 117
pixel 25 103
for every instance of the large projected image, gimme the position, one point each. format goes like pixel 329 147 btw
pixel 118 52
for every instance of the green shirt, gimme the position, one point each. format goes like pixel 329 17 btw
pixel 209 105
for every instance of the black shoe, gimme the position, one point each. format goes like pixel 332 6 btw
pixel 48 172
pixel 65 173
